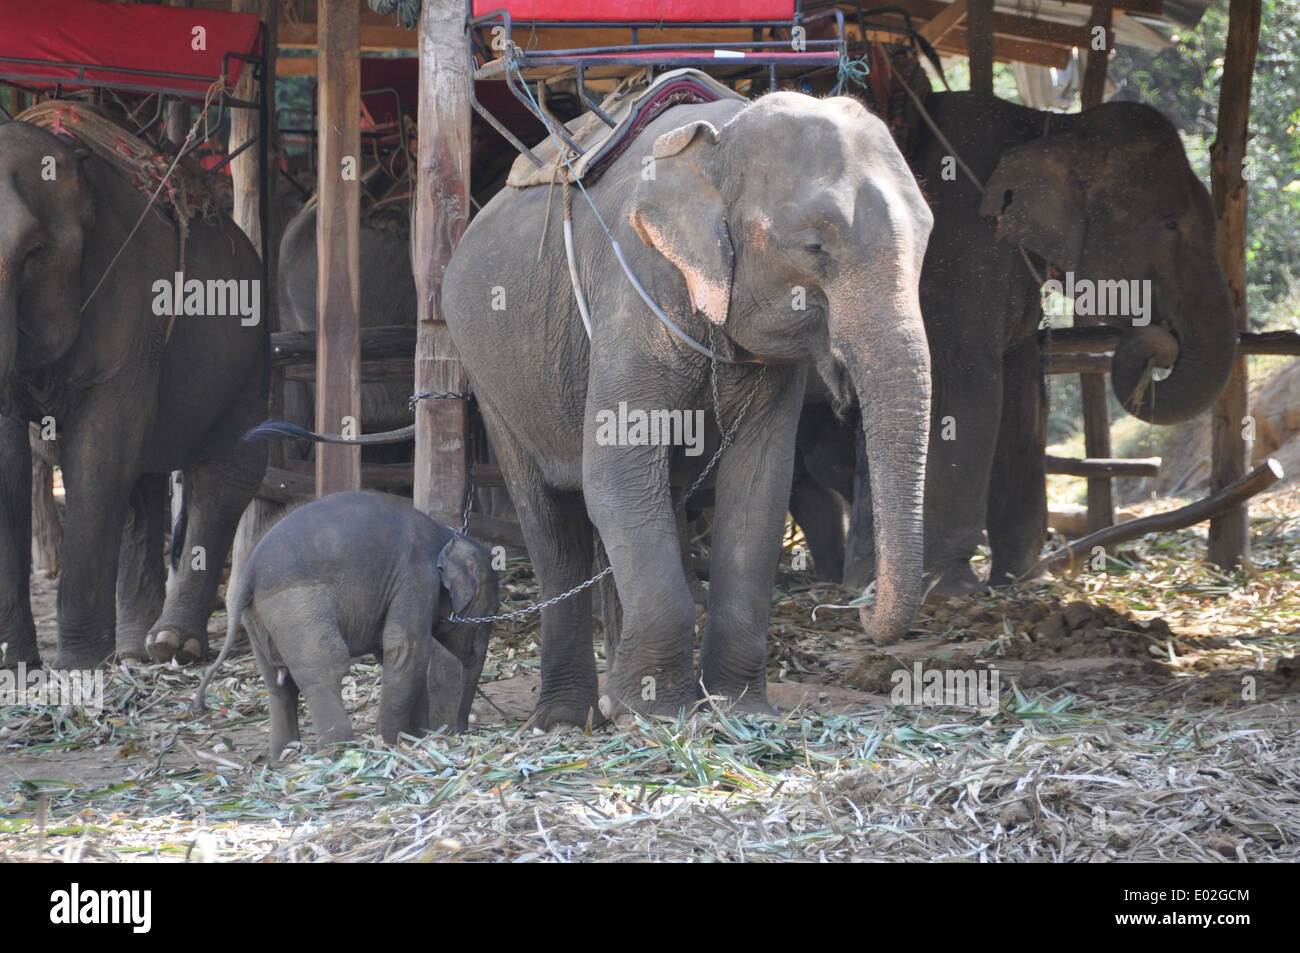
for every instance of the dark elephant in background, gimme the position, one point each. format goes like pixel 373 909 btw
pixel 134 394
pixel 748 203
pixel 387 298
pixel 1103 195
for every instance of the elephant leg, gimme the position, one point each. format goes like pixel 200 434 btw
pixel 99 469
pixel 406 656
pixel 1017 504
pixel 963 434
pixel 318 673
pixel 445 691
pixel 652 672
pixel 140 572
pixel 698 592
pixel 216 494
pixel 558 533
pixel 751 494
pixel 820 514
pixel 860 544
pixel 17 627
pixel 281 690
pixel 611 610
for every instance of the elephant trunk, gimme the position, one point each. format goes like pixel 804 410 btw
pixel 891 375
pixel 1199 353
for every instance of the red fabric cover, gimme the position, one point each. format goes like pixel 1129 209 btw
pixel 646 11
pixel 105 35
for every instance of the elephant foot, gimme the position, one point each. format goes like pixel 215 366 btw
pixel 561 711
pixel 14 655
pixel 647 696
pixel 746 700
pixel 83 657
pixel 167 644
pixel 956 581
pixel 131 648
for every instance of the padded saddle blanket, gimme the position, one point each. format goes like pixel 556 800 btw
pixel 632 106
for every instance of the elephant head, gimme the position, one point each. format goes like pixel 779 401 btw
pixel 813 255
pixel 1112 199
pixel 45 213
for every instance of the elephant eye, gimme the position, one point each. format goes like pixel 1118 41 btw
pixel 1171 224
pixel 814 248
pixel 34 251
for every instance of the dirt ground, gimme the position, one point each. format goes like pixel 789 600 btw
pixel 1146 712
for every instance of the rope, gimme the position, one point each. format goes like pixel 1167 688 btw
pixel 852 71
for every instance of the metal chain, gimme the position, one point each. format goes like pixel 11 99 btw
pixel 436 395
pixel 727 436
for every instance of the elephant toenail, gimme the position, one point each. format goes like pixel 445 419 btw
pixel 606 706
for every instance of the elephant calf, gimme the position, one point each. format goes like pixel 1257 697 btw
pixel 358 573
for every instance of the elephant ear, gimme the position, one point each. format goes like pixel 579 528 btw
pixel 678 210
pixel 1039 200
pixel 464 572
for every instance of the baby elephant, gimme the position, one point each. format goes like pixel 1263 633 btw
pixel 356 573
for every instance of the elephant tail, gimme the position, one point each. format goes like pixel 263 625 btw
pixel 237 600
pixel 283 429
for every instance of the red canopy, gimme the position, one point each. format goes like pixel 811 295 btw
pixel 91 43
pixel 645 11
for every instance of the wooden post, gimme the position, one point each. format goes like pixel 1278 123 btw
pixel 1093 388
pixel 1229 537
pixel 338 244
pixel 441 214
pixel 1094 71
pixel 248 187
pixel 979 45
pixel 47 531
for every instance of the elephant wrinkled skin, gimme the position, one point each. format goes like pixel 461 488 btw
pixel 358 573
pixel 133 395
pixel 789 231
pixel 1101 196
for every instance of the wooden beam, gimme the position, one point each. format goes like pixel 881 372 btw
pixel 1105 468
pixel 1228 498
pixel 373 37
pixel 979 45
pixel 338 244
pixel 1100 339
pixel 1229 537
pixel 1010 25
pixel 441 213
pixel 1092 387
pixel 944 20
pixel 1100 26
pixel 1006 50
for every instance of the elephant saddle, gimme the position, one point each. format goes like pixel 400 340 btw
pixel 631 106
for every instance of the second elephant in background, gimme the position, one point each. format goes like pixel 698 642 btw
pixel 1107 202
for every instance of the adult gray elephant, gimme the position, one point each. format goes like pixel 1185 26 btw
pixel 133 393
pixel 788 231
pixel 387 298
pixel 1101 197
